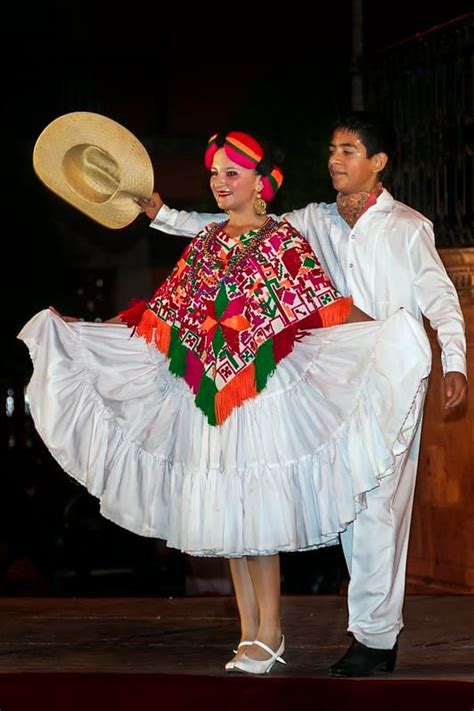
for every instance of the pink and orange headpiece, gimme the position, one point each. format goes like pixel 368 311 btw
pixel 246 151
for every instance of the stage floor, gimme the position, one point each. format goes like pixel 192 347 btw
pixel 195 635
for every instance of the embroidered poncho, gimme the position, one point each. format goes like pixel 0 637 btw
pixel 232 309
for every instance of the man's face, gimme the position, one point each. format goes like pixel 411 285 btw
pixel 351 171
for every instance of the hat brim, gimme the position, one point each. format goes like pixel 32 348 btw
pixel 133 170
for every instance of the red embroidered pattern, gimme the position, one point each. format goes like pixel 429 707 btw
pixel 216 324
pixel 280 284
pixel 351 207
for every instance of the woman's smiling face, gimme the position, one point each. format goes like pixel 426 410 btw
pixel 233 187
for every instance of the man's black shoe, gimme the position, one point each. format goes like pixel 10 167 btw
pixel 360 660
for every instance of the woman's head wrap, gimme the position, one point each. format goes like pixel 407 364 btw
pixel 250 153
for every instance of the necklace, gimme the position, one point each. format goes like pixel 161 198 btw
pixel 205 256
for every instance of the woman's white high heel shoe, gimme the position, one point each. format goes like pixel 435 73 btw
pixel 260 666
pixel 231 665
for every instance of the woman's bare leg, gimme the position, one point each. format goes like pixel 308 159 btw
pixel 246 601
pixel 265 575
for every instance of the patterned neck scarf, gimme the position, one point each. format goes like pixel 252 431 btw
pixel 351 207
pixel 233 308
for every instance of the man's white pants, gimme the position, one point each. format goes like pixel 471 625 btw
pixel 375 547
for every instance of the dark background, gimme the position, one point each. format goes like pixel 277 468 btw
pixel 173 79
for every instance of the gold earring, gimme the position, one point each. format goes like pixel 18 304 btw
pixel 260 206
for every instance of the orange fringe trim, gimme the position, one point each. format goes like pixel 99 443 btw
pixel 152 328
pixel 337 312
pixel 240 388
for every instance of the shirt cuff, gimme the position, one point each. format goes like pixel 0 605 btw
pixel 454 362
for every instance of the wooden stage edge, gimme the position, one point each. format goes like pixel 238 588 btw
pixel 195 635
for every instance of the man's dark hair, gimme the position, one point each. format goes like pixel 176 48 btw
pixel 376 133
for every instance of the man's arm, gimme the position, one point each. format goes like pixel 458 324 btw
pixel 438 300
pixel 182 223
pixel 318 223
pixel 310 221
pixel 175 222
pixel 187 224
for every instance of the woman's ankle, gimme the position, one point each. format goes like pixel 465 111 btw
pixel 270 636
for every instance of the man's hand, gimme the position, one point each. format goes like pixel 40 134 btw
pixel 150 206
pixel 455 389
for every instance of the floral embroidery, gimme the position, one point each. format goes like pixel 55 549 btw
pixel 224 332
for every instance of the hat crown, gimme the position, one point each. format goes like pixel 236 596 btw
pixel 91 172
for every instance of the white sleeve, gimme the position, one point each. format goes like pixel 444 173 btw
pixel 438 300
pixel 188 224
pixel 314 223
pixel 308 221
pixel 182 223
pixel 297 218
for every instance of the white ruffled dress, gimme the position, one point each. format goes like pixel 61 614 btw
pixel 287 471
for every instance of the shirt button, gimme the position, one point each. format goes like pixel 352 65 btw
pixel 350 265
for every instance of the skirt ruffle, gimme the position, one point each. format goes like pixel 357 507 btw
pixel 287 471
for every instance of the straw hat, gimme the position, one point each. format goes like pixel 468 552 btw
pixel 96 165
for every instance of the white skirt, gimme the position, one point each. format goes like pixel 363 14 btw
pixel 287 471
